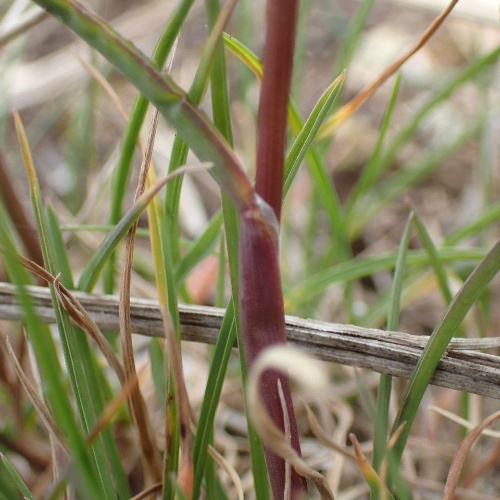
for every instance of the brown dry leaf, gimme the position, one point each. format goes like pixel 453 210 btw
pixel 461 455
pixel 149 452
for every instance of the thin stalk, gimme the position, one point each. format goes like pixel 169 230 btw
pixel 380 438
pixel 272 119
pixel 261 295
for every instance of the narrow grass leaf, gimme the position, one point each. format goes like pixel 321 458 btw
pixel 488 217
pixel 364 266
pixel 180 148
pixel 476 284
pixel 60 254
pixel 309 130
pixel 23 488
pixel 352 35
pixel 156 220
pixel 369 473
pixel 370 171
pixel 403 179
pixel 157 360
pixel 441 96
pixel 178 157
pixel 434 260
pixel 220 359
pixel 222 120
pixel 381 429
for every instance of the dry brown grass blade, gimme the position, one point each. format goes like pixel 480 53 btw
pixel 229 470
pixel 346 111
pixel 78 314
pixel 106 86
pixel 150 453
pixel 288 437
pixel 81 318
pixel 17 213
pixel 304 370
pixel 114 405
pixel 461 455
pixel 321 436
pixel 38 403
pixel 467 424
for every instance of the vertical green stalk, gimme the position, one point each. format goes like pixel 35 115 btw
pixel 222 120
pixel 385 387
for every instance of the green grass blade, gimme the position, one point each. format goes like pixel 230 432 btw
pixel 352 36
pixel 163 383
pixel 489 217
pixel 360 267
pixel 381 429
pixel 223 348
pixel 309 130
pixel 61 261
pixel 180 148
pixel 444 287
pixel 435 262
pixel 199 249
pixel 158 369
pixel 399 273
pixel 369 173
pixel 222 120
pixel 436 346
pixel 48 363
pixel 23 488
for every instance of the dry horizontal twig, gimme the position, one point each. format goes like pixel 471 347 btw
pixel 462 368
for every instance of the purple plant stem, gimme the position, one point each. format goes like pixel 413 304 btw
pixel 261 295
pixel 263 324
pixel 272 118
